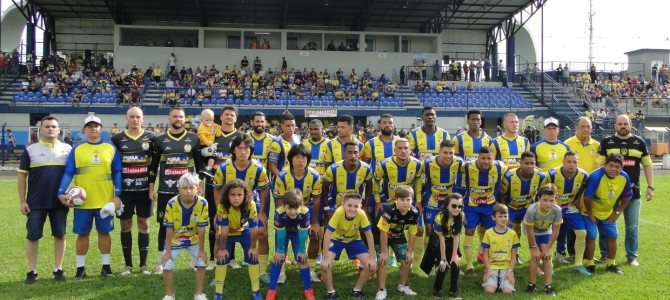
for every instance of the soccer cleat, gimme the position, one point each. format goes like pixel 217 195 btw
pixel 144 271
pixel 265 278
pixel 127 271
pixel 313 277
pixel 168 297
pixel 381 295
pixel 518 260
pixel 106 272
pixel 455 296
pixel 582 270
pixel 549 290
pixel 357 294
pixel 31 277
pixel 470 273
pixel 59 275
pixel 331 296
pixel 233 264
pixel 561 258
pixel 614 269
pixel 81 273
pixel 591 269
pixel 437 294
pixel 218 296
pixel 601 260
pixel 405 290
pixel 200 297
pixel 271 295
pixel 282 278
pixel 159 269
pixel 480 258
pixel 257 295
pixel 633 262
pixel 531 288
pixel 309 295
pixel 211 265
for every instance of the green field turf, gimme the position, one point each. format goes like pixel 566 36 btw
pixel 644 282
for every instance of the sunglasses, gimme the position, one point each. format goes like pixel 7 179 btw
pixel 456 206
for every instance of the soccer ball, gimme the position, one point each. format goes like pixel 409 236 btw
pixel 76 195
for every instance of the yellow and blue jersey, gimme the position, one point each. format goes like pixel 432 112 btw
pixel 567 187
pixel 377 150
pixel 261 147
pixel 97 169
pixel 284 222
pixel 347 230
pixel 424 145
pixel 318 151
pixel 509 151
pixel 389 176
pixel 185 221
pixel 335 150
pixel 604 192
pixel 279 150
pixel 467 146
pixel 437 226
pixel 520 193
pixel 254 175
pixel 343 182
pixel 482 186
pixel 44 160
pixel 549 154
pixel 587 152
pixel 309 185
pixel 440 181
pixel 498 246
pixel 237 222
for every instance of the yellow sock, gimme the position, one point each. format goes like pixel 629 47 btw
pixel 590 262
pixel 467 248
pixel 312 264
pixel 611 262
pixel 580 246
pixel 418 248
pixel 220 276
pixel 253 277
pixel 262 264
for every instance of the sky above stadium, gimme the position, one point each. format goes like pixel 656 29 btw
pixel 619 26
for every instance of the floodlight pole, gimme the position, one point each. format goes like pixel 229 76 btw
pixel 542 53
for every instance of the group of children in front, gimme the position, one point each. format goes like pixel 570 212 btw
pixel 187 217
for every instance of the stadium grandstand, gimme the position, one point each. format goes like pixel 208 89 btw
pixel 317 59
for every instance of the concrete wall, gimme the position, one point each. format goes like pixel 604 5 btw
pixel 13 24
pixel 461 44
pixel 638 59
pixel 76 35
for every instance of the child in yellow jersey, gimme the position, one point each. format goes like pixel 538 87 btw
pixel 343 232
pixel 207 132
pixel 237 220
pixel 186 218
pixel 501 245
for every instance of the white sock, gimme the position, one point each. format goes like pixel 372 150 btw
pixel 56 269
pixel 81 260
pixel 105 259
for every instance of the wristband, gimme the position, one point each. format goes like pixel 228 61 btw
pixel 443 260
pixel 533 246
pixel 454 255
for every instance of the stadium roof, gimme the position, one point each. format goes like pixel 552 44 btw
pixel 357 15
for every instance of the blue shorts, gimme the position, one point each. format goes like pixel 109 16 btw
pixel 605 229
pixel 83 221
pixel 474 215
pixel 245 241
pixel 353 248
pixel 572 218
pixel 295 243
pixel 37 218
pixel 542 239
pixel 429 214
pixel 516 215
pixel 193 250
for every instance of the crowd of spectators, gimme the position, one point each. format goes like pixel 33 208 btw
pixel 9 62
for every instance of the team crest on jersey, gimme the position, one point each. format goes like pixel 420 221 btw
pixel 610 194
pixel 95 160
pixel 494 179
pixel 187 148
pixel 552 156
pixel 145 146
pixel 194 218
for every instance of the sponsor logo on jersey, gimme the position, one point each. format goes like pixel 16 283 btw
pixel 176 171
pixel 129 181
pixel 134 158
pixel 176 159
pixel 135 170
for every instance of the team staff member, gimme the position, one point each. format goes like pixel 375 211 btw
pixel 425 141
pixel 335 148
pixel 42 165
pixel 315 145
pixel 468 143
pixel 96 167
pixel 262 139
pixel 550 149
pixel 135 147
pixel 175 153
pixel 635 153
pixel 509 146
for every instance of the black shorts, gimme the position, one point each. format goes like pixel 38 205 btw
pixel 37 217
pixel 136 203
pixel 211 205
pixel 161 205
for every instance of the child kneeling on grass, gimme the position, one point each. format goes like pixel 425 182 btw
pixel 237 220
pixel 342 232
pixel 186 218
pixel 292 221
pixel 501 245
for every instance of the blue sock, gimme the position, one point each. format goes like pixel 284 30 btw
pixel 275 269
pixel 304 274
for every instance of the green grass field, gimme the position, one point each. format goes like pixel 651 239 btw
pixel 644 282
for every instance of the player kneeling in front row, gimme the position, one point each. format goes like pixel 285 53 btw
pixel 390 232
pixel 292 221
pixel 342 232
pixel 501 245
pixel 186 218
pixel 543 222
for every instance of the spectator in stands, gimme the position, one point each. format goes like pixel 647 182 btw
pixel 453 89
pixel 505 80
pixel 592 73
pixel 466 70
pixel 470 86
pixel 487 70
pixel 437 70
pixel 331 46
pixel 559 73
pixel 172 62
pixel 472 70
pixel 423 67
pixel 157 75
pixel 501 70
pixel 479 66
pixel 258 66
pixel 639 120
pixel 341 47
pixel 253 44
pixel 265 44
pixel 78 96
pixel 4 62
pixel 566 75
pixel 312 45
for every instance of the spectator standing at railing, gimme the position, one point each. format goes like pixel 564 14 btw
pixel 592 73
pixel 423 67
pixel 501 70
pixel 402 75
pixel 459 69
pixel 4 62
pixel 479 70
pixel 453 70
pixel 639 120
pixel 654 71
pixel 559 73
pixel 487 70
pixel 466 71
pixel 472 70
pixel 566 75
pixel 172 62
pixel 436 70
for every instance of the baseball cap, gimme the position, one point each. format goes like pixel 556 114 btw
pixel 92 119
pixel 550 121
